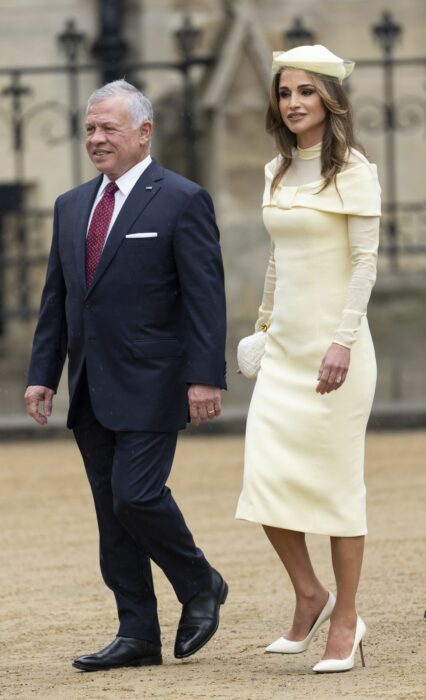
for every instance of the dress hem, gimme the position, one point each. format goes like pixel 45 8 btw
pixel 298 529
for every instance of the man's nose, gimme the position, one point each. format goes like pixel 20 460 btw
pixel 97 135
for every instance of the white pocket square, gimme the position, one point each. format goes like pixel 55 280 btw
pixel 148 234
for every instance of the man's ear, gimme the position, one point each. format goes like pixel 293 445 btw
pixel 145 131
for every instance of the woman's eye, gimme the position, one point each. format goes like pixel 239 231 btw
pixel 306 93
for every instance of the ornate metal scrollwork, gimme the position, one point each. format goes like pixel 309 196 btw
pixel 51 113
pixel 404 114
pixel 369 114
pixel 410 113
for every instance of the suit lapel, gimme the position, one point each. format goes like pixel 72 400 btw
pixel 83 207
pixel 142 193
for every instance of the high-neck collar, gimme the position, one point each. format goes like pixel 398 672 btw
pixel 310 153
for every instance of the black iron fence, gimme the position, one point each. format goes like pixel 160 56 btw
pixel 55 123
pixel 388 113
pixel 25 118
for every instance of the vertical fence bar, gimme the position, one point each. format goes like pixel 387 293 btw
pixel 70 41
pixel 16 91
pixel 389 121
pixel 75 131
pixel 387 33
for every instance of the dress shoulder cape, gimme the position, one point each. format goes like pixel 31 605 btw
pixel 356 192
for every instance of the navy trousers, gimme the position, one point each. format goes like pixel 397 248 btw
pixel 138 521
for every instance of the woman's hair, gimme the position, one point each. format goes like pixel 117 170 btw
pixel 140 107
pixel 338 134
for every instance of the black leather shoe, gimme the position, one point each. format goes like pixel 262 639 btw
pixel 200 618
pixel 123 651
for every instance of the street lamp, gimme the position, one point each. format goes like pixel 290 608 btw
pixel 187 37
pixel 298 34
pixel 387 33
pixel 70 40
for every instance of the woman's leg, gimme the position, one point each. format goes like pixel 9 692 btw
pixel 347 554
pixel 311 596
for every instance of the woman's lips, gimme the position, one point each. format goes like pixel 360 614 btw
pixel 296 116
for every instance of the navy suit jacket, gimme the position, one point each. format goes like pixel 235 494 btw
pixel 153 321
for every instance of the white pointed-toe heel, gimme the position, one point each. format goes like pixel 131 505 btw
pixel 336 665
pixel 286 646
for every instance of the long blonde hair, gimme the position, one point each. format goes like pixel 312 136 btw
pixel 338 134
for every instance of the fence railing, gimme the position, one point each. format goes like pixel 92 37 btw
pixel 29 112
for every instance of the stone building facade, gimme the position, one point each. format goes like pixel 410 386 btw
pixel 228 96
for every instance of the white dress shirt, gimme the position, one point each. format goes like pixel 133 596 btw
pixel 125 184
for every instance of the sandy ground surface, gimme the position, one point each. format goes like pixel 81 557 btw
pixel 54 605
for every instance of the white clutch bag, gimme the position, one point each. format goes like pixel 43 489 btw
pixel 250 352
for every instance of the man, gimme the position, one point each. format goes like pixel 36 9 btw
pixel 134 295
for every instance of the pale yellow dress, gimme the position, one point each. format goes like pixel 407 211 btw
pixel 304 452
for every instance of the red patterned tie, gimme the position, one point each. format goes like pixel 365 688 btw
pixel 98 230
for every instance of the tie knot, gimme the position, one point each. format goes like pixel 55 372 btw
pixel 111 188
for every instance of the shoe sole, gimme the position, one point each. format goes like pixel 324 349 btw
pixel 222 599
pixel 146 661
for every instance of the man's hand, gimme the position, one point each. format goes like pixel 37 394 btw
pixel 204 402
pixel 35 395
pixel 334 368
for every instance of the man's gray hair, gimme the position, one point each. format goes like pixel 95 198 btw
pixel 140 108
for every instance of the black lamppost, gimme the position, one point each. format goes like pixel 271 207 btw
pixel 16 92
pixel 187 37
pixel 387 33
pixel 71 41
pixel 298 35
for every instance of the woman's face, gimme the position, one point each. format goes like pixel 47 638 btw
pixel 302 109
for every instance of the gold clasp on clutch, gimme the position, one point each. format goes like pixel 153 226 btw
pixel 264 327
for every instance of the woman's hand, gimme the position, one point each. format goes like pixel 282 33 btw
pixel 334 368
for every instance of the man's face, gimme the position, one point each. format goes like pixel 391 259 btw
pixel 112 142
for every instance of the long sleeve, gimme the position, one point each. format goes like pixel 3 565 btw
pixel 50 338
pixel 266 307
pixel 363 241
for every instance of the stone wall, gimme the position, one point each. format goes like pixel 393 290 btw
pixel 231 144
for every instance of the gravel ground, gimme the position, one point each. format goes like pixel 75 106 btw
pixel 54 605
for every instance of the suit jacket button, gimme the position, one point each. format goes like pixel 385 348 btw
pixel 88 304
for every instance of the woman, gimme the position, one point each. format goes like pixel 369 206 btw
pixel 306 425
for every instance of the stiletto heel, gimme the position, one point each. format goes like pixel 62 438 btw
pixel 286 646
pixel 336 665
pixel 361 652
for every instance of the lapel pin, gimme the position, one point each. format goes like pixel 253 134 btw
pixel 149 187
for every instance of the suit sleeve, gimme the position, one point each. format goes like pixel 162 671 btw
pixel 50 338
pixel 200 270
